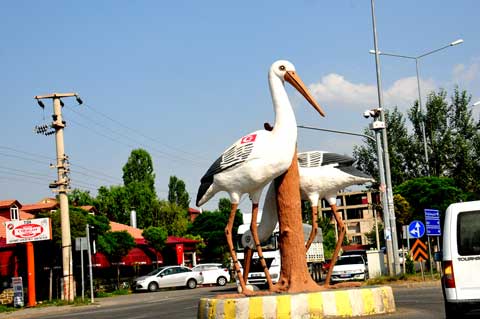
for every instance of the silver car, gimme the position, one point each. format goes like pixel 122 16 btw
pixel 168 276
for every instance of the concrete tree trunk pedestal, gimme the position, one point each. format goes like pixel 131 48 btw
pixel 322 304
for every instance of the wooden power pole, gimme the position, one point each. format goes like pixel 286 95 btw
pixel 62 186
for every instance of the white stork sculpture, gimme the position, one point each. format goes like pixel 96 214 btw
pixel 257 158
pixel 322 175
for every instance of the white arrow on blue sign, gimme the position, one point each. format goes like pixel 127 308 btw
pixel 416 229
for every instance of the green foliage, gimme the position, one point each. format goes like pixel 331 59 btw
pixel 201 245
pixel 116 245
pixel 114 203
pixel 177 192
pixel 409 265
pixel 156 237
pixel 452 137
pixel 78 221
pixel 372 236
pixel 402 161
pixel 79 197
pixel 403 210
pixel 429 192
pixel 143 200
pixel 211 227
pixel 173 218
pixel 139 168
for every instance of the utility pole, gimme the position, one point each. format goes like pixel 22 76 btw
pixel 61 186
pixel 388 179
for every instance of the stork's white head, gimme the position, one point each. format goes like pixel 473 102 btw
pixel 280 67
pixel 286 72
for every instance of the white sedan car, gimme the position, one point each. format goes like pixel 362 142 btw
pixel 351 267
pixel 213 273
pixel 169 276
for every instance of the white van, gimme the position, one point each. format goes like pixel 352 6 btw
pixel 461 258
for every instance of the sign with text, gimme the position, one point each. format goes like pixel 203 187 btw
pixel 432 221
pixel 21 231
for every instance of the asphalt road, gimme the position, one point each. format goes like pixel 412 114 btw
pixel 422 300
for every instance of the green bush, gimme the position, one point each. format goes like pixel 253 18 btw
pixel 409 265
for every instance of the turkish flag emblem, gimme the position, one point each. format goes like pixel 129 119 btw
pixel 248 139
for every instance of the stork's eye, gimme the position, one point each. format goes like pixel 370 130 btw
pixel 282 67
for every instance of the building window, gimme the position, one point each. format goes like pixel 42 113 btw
pixel 14 215
pixel 356 213
pixel 356 239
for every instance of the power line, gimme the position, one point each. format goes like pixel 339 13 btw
pixel 88 107
pixel 109 177
pixel 161 153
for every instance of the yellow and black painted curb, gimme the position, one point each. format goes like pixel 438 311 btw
pixel 329 303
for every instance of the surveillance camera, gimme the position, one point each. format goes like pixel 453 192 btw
pixel 367 114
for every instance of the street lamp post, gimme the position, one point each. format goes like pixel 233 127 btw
pixel 386 155
pixel 417 59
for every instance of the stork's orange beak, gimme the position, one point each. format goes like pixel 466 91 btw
pixel 292 78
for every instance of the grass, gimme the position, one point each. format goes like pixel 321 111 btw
pixel 417 277
pixel 76 302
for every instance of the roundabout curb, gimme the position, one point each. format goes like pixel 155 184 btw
pixel 329 303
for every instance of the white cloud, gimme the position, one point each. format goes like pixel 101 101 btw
pixel 334 88
pixel 464 75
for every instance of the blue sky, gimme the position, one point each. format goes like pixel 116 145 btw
pixel 185 79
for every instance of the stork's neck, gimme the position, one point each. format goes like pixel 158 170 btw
pixel 285 122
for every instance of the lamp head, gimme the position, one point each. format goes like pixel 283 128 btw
pixel 459 41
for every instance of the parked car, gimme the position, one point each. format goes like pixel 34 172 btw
pixel 360 252
pixel 350 267
pixel 168 276
pixel 213 273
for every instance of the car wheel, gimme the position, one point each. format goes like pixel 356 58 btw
pixel 153 286
pixel 191 283
pixel 453 310
pixel 221 281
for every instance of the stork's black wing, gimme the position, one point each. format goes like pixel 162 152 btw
pixel 318 158
pixel 233 156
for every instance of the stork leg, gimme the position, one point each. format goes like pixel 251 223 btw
pixel 341 235
pixel 253 228
pixel 314 231
pixel 247 258
pixel 228 235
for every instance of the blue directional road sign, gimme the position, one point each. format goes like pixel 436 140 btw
pixel 432 220
pixel 416 229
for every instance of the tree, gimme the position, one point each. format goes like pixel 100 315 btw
pixel 403 161
pixel 211 227
pixel 403 210
pixel 139 180
pixel 156 237
pixel 172 218
pixel 452 138
pixel 429 192
pixel 177 192
pixel 114 203
pixel 372 236
pixel 465 159
pixel 139 168
pixel 79 197
pixel 116 245
pixel 143 200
